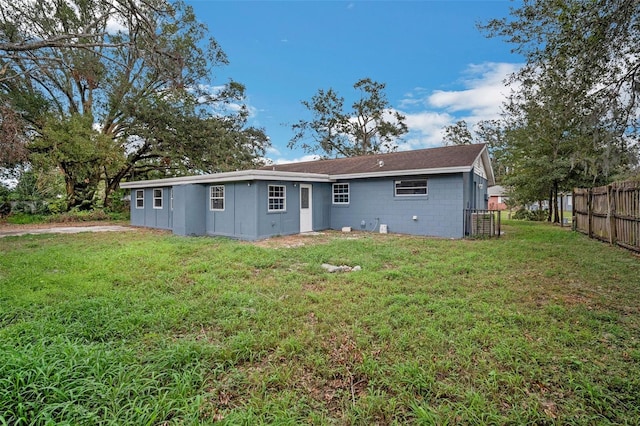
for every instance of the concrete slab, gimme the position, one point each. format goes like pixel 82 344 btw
pixel 65 230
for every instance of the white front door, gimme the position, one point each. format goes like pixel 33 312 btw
pixel 306 211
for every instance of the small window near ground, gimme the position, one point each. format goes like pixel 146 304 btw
pixel 157 198
pixel 340 193
pixel 140 199
pixel 217 198
pixel 411 187
pixel 277 200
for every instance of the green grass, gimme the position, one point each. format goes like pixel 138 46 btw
pixel 541 326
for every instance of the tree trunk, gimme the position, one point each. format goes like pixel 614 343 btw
pixel 80 193
pixel 556 215
pixel 550 211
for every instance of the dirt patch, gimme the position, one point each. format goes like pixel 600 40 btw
pixel 8 229
pixel 309 238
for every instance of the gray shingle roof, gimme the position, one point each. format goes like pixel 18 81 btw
pixel 430 158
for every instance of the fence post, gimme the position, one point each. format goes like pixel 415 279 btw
pixel 574 216
pixel 590 212
pixel 611 212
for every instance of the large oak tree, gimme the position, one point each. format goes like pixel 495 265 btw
pixel 107 90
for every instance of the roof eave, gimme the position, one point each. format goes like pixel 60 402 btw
pixel 412 172
pixel 246 175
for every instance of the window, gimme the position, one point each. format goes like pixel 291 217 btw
pixel 340 193
pixel 304 197
pixel 276 197
pixel 171 199
pixel 140 199
pixel 157 198
pixel 411 187
pixel 216 194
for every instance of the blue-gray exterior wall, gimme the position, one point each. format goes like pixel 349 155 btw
pixel 322 195
pixel 149 216
pixel 475 192
pixel 373 202
pixel 238 219
pixel 189 203
pixel 285 222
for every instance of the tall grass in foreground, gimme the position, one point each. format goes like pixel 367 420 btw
pixel 540 327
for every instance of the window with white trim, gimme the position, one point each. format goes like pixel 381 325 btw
pixel 216 197
pixel 410 187
pixel 171 199
pixel 157 198
pixel 340 193
pixel 139 198
pixel 277 198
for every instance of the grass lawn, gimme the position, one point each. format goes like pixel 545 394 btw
pixel 541 326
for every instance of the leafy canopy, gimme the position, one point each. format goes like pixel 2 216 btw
pixel 573 119
pixel 136 72
pixel 370 127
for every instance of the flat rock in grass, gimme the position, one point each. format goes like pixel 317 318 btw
pixel 342 268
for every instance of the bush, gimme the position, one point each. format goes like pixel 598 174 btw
pixel 118 203
pixel 5 208
pixel 5 204
pixel 534 215
pixel 76 215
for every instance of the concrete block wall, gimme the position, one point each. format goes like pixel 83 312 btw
pixel 373 201
pixel 148 216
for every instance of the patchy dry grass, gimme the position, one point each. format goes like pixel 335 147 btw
pixel 541 326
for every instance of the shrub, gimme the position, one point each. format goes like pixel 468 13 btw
pixel 76 215
pixel 5 208
pixel 534 215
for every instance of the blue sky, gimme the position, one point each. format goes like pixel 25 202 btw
pixel 437 66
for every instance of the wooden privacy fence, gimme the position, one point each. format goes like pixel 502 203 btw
pixel 609 213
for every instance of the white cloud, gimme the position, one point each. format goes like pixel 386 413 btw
pixel 309 157
pixel 481 98
pixel 273 151
pixel 115 26
pixel 425 129
pixel 484 94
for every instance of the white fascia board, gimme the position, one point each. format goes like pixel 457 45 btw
pixel 413 172
pixel 246 175
pixel 486 160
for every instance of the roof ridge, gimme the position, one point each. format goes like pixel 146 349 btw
pixel 373 155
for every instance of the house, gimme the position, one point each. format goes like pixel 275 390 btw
pixel 497 197
pixel 421 192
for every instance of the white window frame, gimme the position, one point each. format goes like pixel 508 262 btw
pixel 271 197
pixel 341 195
pixel 141 199
pixel 425 186
pixel 216 196
pixel 158 201
pixel 171 198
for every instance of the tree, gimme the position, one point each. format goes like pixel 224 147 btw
pixel 13 148
pixel 458 134
pixel 371 127
pixel 121 70
pixel 558 139
pixel 574 118
pixel 591 49
pixel 490 132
